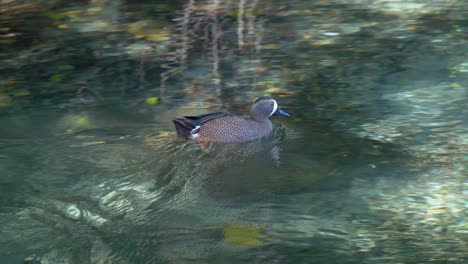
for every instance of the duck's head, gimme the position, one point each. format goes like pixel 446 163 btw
pixel 264 107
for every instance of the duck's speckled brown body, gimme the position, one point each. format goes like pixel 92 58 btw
pixel 230 127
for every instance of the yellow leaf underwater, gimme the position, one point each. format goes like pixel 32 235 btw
pixel 151 30
pixel 152 100
pixel 63 26
pixel 56 77
pixel 94 10
pixel 242 236
pixel 21 92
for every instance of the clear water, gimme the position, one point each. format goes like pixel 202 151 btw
pixel 371 168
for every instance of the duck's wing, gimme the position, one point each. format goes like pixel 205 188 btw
pixel 201 119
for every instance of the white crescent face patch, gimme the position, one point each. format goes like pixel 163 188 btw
pixel 275 107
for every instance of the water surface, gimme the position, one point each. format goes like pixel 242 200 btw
pixel 371 168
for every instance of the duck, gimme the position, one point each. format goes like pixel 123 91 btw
pixel 229 127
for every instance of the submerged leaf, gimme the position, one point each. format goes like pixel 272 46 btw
pixel 56 77
pixel 151 30
pixel 242 236
pixel 21 92
pixel 94 10
pixel 54 15
pixel 152 100
pixel 73 13
pixel 63 26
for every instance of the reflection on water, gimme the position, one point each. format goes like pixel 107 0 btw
pixel 370 169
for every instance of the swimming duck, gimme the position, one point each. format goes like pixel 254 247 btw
pixel 231 127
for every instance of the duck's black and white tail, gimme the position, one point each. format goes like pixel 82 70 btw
pixel 184 127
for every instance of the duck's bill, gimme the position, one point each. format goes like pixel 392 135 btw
pixel 281 112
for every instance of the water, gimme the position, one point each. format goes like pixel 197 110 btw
pixel 371 168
